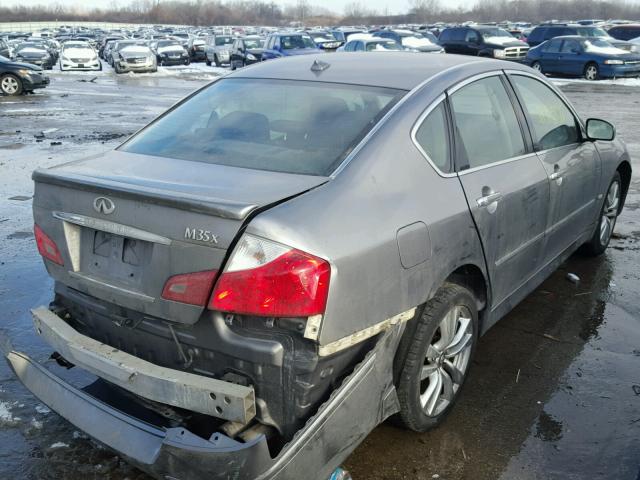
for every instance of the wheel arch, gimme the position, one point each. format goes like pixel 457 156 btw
pixel 468 275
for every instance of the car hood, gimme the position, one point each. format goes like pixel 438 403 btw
pixel 21 65
pixel 32 53
pixel 135 52
pixel 171 49
pixel 255 51
pixel 79 53
pixel 502 42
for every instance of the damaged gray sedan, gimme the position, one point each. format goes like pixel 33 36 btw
pixel 304 248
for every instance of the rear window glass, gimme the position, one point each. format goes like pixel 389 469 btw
pixel 277 125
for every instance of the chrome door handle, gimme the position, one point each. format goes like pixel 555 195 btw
pixel 489 199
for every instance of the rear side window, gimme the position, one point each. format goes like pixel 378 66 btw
pixel 537 35
pixel 487 129
pixel 458 34
pixel 264 124
pixel 552 46
pixel 433 139
pixel 551 122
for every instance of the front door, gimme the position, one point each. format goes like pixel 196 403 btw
pixel 572 165
pixel 506 186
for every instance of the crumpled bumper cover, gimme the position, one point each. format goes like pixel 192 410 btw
pixel 364 399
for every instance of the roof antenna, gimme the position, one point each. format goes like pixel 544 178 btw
pixel 319 66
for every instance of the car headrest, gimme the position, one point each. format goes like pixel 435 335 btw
pixel 243 126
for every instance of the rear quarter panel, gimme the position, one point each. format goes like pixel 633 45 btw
pixel 353 222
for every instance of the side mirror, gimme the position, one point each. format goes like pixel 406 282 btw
pixel 600 130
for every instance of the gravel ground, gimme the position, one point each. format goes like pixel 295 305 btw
pixel 551 393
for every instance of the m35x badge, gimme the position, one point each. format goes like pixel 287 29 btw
pixel 104 205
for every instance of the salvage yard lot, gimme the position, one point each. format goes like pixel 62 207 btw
pixel 551 393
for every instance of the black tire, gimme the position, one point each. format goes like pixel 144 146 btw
pixel 207 61
pixel 591 71
pixel 11 84
pixel 233 65
pixel 216 60
pixel 116 67
pixel 418 339
pixel 598 244
pixel 187 62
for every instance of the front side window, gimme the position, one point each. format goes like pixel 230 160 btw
pixel 277 125
pixel 570 46
pixel 551 122
pixel 433 138
pixel 487 129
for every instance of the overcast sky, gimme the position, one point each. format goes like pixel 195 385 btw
pixel 394 6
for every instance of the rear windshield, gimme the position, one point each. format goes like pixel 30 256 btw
pixel 277 125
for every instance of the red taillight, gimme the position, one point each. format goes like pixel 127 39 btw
pixel 191 288
pixel 279 281
pixel 47 247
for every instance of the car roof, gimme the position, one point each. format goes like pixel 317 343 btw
pixel 401 70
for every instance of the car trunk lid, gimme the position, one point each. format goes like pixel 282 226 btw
pixel 125 223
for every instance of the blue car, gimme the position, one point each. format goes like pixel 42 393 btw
pixel 591 58
pixel 288 44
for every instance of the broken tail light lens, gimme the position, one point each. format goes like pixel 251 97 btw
pixel 191 288
pixel 47 247
pixel 265 278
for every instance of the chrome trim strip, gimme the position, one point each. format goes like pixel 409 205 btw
pixel 416 127
pixel 475 78
pixel 496 164
pixel 107 286
pixel 111 227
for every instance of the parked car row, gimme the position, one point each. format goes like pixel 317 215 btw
pixel 586 48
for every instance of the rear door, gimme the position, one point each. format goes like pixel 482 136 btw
pixel 550 56
pixel 507 188
pixel 572 165
pixel 571 60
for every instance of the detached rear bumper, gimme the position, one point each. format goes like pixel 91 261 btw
pixel 364 399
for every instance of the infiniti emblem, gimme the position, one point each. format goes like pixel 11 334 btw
pixel 103 205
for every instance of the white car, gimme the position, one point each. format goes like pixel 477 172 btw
pixel 79 56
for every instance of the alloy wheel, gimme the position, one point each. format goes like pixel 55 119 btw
pixel 591 72
pixel 609 213
pixel 9 85
pixel 446 361
pixel 536 66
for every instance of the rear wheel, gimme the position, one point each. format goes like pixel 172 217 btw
pixel 438 357
pixel 591 72
pixel 10 84
pixel 216 60
pixel 607 220
pixel 537 66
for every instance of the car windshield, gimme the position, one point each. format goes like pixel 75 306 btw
pixel 224 40
pixel 122 45
pixel 495 32
pixel 252 43
pixel 24 46
pixel 383 45
pixel 323 37
pixel 263 124
pixel 169 43
pixel 592 32
pixel 291 42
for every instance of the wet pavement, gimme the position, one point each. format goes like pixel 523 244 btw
pixel 554 391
